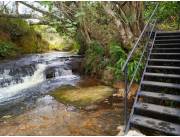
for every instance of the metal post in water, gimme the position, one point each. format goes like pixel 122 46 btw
pixel 125 97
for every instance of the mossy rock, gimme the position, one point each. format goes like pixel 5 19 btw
pixel 81 97
pixel 24 38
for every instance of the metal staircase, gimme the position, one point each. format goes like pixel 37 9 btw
pixel 157 103
pixel 158 97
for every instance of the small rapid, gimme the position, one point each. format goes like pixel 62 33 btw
pixel 26 82
pixel 34 75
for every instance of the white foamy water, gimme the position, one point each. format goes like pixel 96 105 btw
pixel 5 74
pixel 35 74
pixel 28 81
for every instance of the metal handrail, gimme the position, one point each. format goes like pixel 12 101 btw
pixel 125 66
pixel 137 42
pixel 141 57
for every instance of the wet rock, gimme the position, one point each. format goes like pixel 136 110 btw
pixel 50 74
pixel 107 76
pixel 6 117
pixel 120 90
pixel 91 107
pixel 82 97
pixel 75 64
pixel 134 133
pixel 71 108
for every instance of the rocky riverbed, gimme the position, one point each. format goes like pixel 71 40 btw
pixel 55 116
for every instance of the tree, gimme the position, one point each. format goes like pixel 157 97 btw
pixel 168 14
pixel 94 21
pixel 127 17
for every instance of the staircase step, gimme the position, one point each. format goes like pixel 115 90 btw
pixel 167 37
pixel 163 40
pixel 155 124
pixel 167 44
pixel 168 41
pixel 166 48
pixel 158 109
pixel 164 60
pixel 163 67
pixel 168 33
pixel 162 96
pixel 162 75
pixel 161 84
pixel 165 54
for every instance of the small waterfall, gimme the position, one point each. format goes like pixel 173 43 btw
pixel 35 75
pixel 26 82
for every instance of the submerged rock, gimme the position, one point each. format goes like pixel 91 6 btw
pixel 131 132
pixel 91 107
pixel 6 117
pixel 120 90
pixel 134 133
pixel 82 97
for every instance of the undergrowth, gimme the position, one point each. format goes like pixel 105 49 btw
pixel 97 59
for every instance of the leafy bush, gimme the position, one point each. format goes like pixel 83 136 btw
pixel 94 57
pixel 117 59
pixel 96 60
pixel 116 52
pixel 7 49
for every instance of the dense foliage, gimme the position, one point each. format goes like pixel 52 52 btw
pixel 168 14
pixel 104 32
pixel 17 38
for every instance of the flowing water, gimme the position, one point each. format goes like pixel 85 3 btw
pixel 34 75
pixel 27 107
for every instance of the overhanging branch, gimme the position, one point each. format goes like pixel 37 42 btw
pixel 43 22
pixel 24 16
pixel 39 10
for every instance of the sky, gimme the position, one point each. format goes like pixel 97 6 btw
pixel 26 10
pixel 23 9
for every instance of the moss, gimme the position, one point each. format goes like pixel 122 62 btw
pixel 22 36
pixel 81 97
pixel 7 49
pixel 57 42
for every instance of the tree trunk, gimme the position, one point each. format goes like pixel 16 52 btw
pixel 129 28
pixel 125 33
pixel 17 7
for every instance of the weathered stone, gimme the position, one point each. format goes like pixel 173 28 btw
pixel 130 132
pixel 50 73
pixel 107 76
pixel 91 107
pixel 120 90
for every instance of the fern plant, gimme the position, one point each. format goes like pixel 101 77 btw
pixel 94 58
pixel 6 49
pixel 117 59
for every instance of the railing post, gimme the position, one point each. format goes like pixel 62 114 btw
pixel 125 97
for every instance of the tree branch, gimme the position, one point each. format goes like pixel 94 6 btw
pixel 42 22
pixel 39 10
pixel 24 16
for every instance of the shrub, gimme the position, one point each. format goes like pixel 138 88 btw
pixel 117 59
pixel 7 49
pixel 94 58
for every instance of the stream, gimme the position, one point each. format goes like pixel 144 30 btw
pixel 28 108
